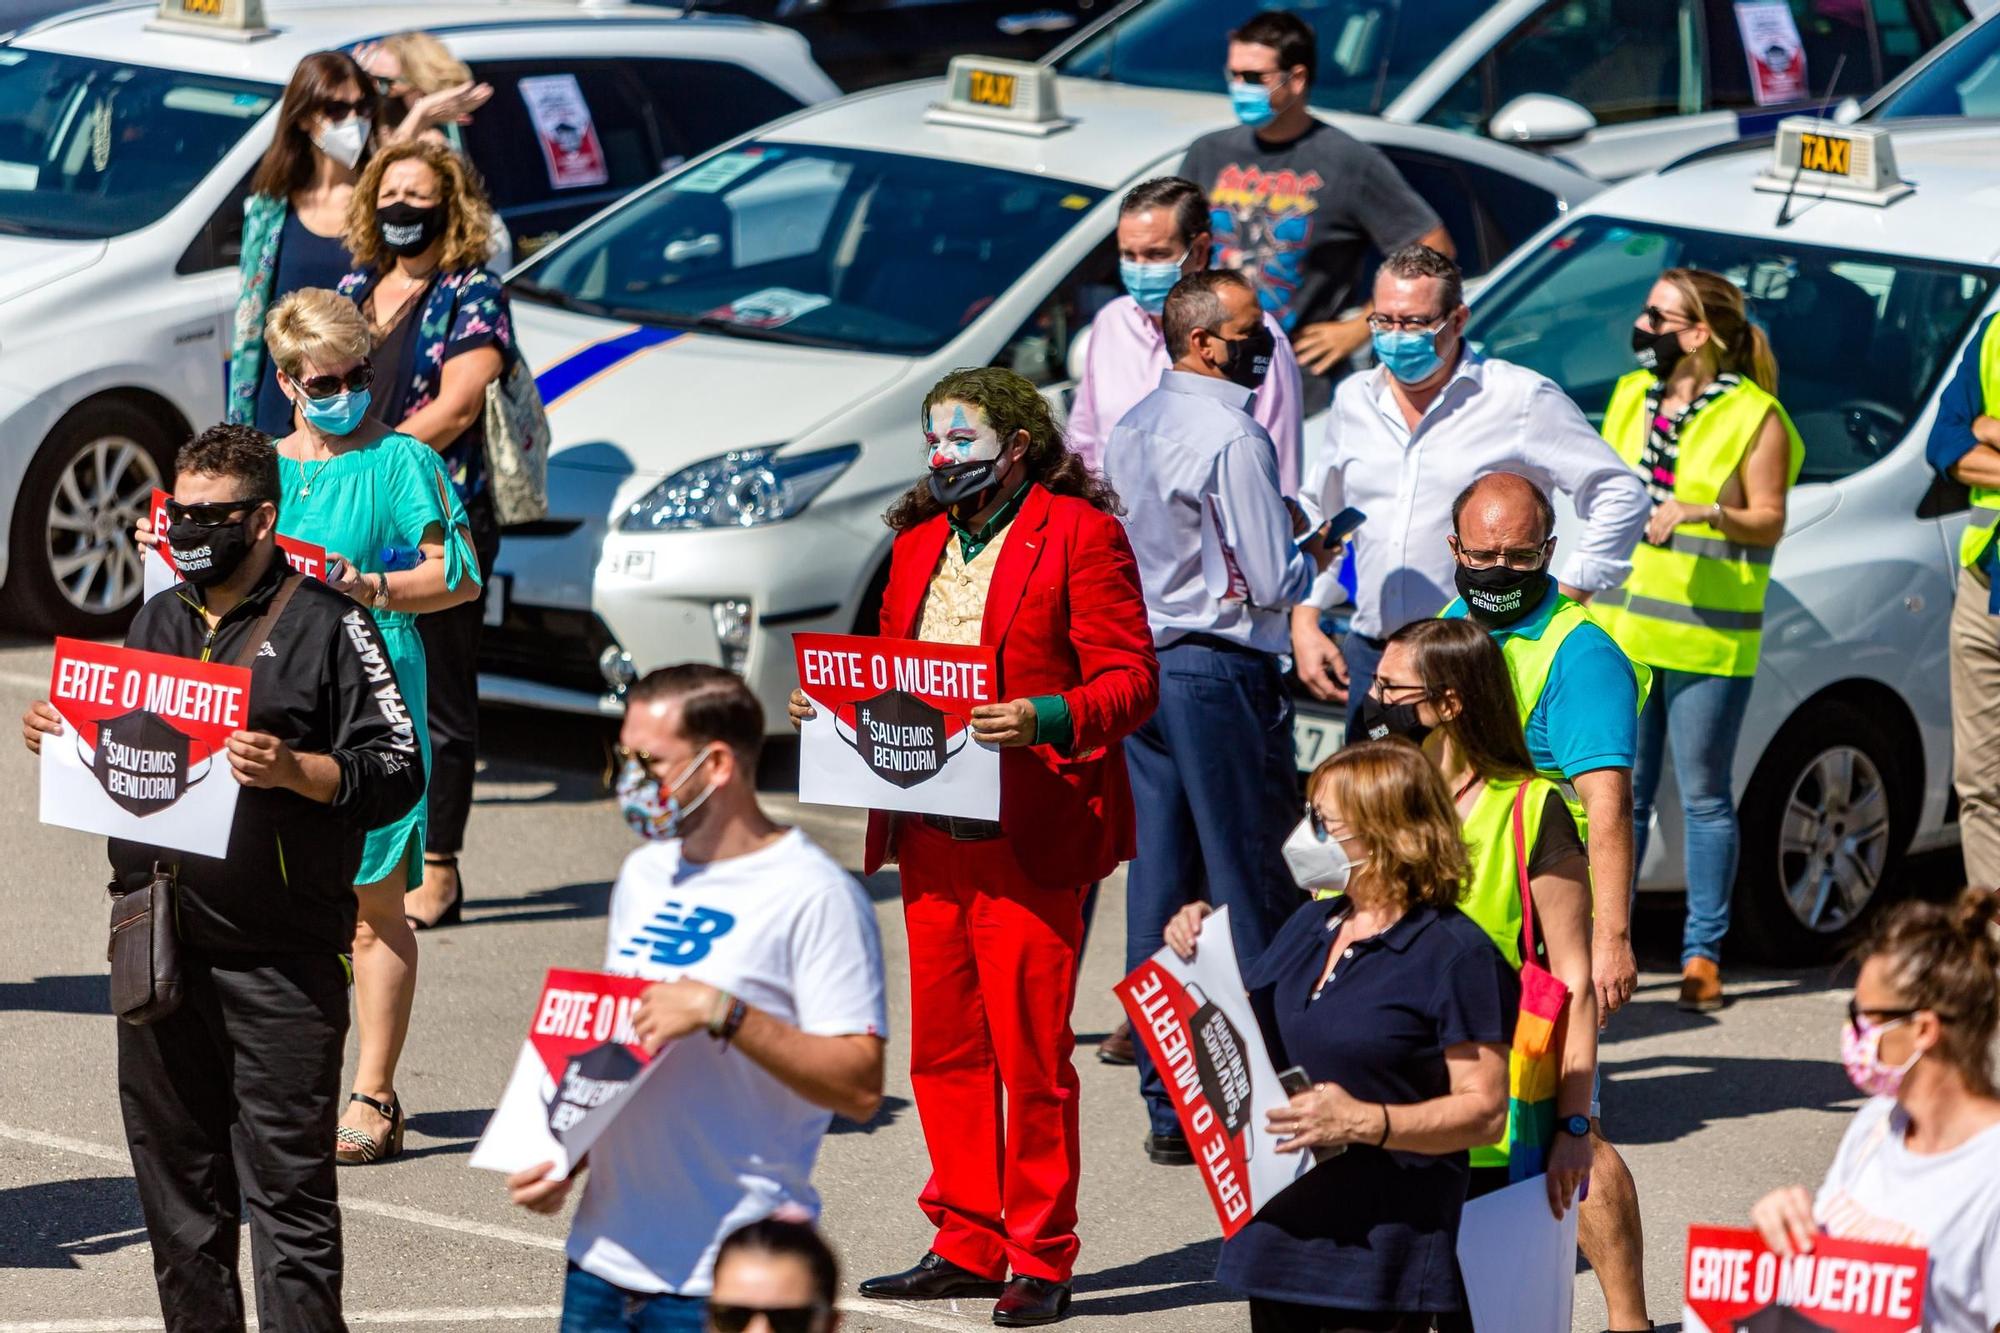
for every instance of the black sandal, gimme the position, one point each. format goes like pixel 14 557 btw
pixel 452 915
pixel 354 1147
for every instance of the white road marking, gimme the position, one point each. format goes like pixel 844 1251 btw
pixel 393 1318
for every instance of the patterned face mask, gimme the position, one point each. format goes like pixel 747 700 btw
pixel 651 808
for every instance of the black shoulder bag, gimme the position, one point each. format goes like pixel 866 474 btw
pixel 145 950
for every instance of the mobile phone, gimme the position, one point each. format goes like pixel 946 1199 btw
pixel 1294 1081
pixel 336 569
pixel 1336 529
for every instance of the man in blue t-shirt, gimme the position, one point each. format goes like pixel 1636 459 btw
pixel 1584 725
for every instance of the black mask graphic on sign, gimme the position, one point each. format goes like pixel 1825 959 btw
pixel 1219 1062
pixel 142 763
pixel 900 737
pixel 589 1080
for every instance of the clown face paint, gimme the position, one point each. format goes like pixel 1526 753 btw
pixel 959 433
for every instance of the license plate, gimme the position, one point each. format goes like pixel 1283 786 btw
pixel 1314 737
pixel 496 601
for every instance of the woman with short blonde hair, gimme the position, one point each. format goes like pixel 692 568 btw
pixel 315 325
pixel 1398 1009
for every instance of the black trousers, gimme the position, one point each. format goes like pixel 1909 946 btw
pixel 451 654
pixel 1267 1316
pixel 235 1096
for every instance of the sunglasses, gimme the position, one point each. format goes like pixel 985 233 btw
pixel 1877 1017
pixel 334 108
pixel 1321 830
pixel 211 514
pixel 326 386
pixel 1658 319
pixel 783 1319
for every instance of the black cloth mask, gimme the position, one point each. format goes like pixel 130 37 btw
pixel 1376 721
pixel 408 229
pixel 208 556
pixel 1250 358
pixel 1657 352
pixel 901 738
pixel 1499 596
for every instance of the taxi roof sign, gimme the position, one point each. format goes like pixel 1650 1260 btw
pixel 232 20
pixel 1819 159
pixel 987 93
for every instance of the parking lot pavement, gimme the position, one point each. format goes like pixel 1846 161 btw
pixel 1712 1110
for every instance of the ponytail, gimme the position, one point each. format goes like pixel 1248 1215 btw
pixel 1740 346
pixel 1945 957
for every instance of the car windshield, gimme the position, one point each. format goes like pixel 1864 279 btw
pixel 1860 339
pixel 831 247
pixel 1964 81
pixel 1369 50
pixel 92 148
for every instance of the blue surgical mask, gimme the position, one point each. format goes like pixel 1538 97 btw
pixel 1150 283
pixel 1410 356
pixel 338 415
pixel 1252 102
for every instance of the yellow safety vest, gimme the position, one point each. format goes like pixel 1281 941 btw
pixel 1493 888
pixel 1978 534
pixel 1697 603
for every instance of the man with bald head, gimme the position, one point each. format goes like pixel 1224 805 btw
pixel 1579 696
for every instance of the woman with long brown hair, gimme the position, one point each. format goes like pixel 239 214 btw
pixel 295 218
pixel 1398 1007
pixel 1701 424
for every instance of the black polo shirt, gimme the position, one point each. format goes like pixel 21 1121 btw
pixel 1369 1229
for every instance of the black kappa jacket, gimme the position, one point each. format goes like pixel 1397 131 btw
pixel 323 684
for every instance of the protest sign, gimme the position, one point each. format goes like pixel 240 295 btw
pixel 141 751
pixel 1198 1027
pixel 1773 51
pixel 570 148
pixel 1518 1262
pixel 891 730
pixel 158 562
pixel 1737 1284
pixel 578 1068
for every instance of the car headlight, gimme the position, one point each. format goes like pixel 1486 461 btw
pixel 743 489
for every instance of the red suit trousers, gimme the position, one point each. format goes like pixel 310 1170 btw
pixel 993 964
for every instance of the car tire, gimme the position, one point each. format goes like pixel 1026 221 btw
pixel 73 567
pixel 1825 823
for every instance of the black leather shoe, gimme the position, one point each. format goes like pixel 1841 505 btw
pixel 933 1279
pixel 1031 1300
pixel 1169 1150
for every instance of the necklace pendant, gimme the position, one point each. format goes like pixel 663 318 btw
pixel 306 489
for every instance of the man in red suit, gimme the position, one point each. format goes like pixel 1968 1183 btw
pixel 1010 541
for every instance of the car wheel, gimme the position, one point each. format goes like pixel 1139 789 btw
pixel 1825 822
pixel 74 567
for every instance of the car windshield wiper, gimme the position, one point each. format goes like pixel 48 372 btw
pixel 562 300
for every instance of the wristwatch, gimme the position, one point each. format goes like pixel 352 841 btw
pixel 1576 1126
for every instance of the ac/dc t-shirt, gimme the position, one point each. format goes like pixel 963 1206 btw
pixel 712 1142
pixel 1297 218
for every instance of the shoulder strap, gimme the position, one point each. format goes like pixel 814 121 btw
pixel 288 583
pixel 1521 870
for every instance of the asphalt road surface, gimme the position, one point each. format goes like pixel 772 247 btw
pixel 1712 1111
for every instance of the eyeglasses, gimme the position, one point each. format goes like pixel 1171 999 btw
pixel 1320 828
pixel 1405 323
pixel 1877 1017
pixel 385 86
pixel 1518 558
pixel 326 386
pixel 1382 689
pixel 336 108
pixel 783 1319
pixel 210 514
pixel 1657 319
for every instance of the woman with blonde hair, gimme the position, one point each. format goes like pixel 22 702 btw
pixel 438 335
pixel 1701 424
pixel 1399 1009
pixel 360 489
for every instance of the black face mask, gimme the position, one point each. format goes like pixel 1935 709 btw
pixel 1250 358
pixel 1657 352
pixel 1375 721
pixel 965 487
pixel 1499 596
pixel 208 556
pixel 408 229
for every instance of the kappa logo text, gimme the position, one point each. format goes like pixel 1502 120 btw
pixel 676 937
pixel 387 697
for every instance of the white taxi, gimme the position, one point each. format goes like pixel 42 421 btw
pixel 733 360
pixel 126 147
pixel 1869 284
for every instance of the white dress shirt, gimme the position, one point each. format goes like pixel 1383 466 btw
pixel 1493 416
pixel 1190 454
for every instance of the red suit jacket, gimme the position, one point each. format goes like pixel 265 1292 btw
pixel 1067 614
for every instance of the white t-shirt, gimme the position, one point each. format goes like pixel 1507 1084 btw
pixel 711 1142
pixel 1947 1202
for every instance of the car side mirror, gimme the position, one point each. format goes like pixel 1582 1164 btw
pixel 1540 120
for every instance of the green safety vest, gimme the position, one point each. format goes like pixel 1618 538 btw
pixel 1978 534
pixel 1493 888
pixel 1697 603
pixel 1530 661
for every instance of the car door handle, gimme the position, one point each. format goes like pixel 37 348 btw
pixel 1040 20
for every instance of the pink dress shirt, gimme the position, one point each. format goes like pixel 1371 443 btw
pixel 1123 363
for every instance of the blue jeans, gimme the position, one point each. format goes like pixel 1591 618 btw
pixel 1216 791
pixel 1700 717
pixel 592 1305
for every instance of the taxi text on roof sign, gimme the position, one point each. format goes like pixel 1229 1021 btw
pixel 235 20
pixel 1819 159
pixel 987 93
